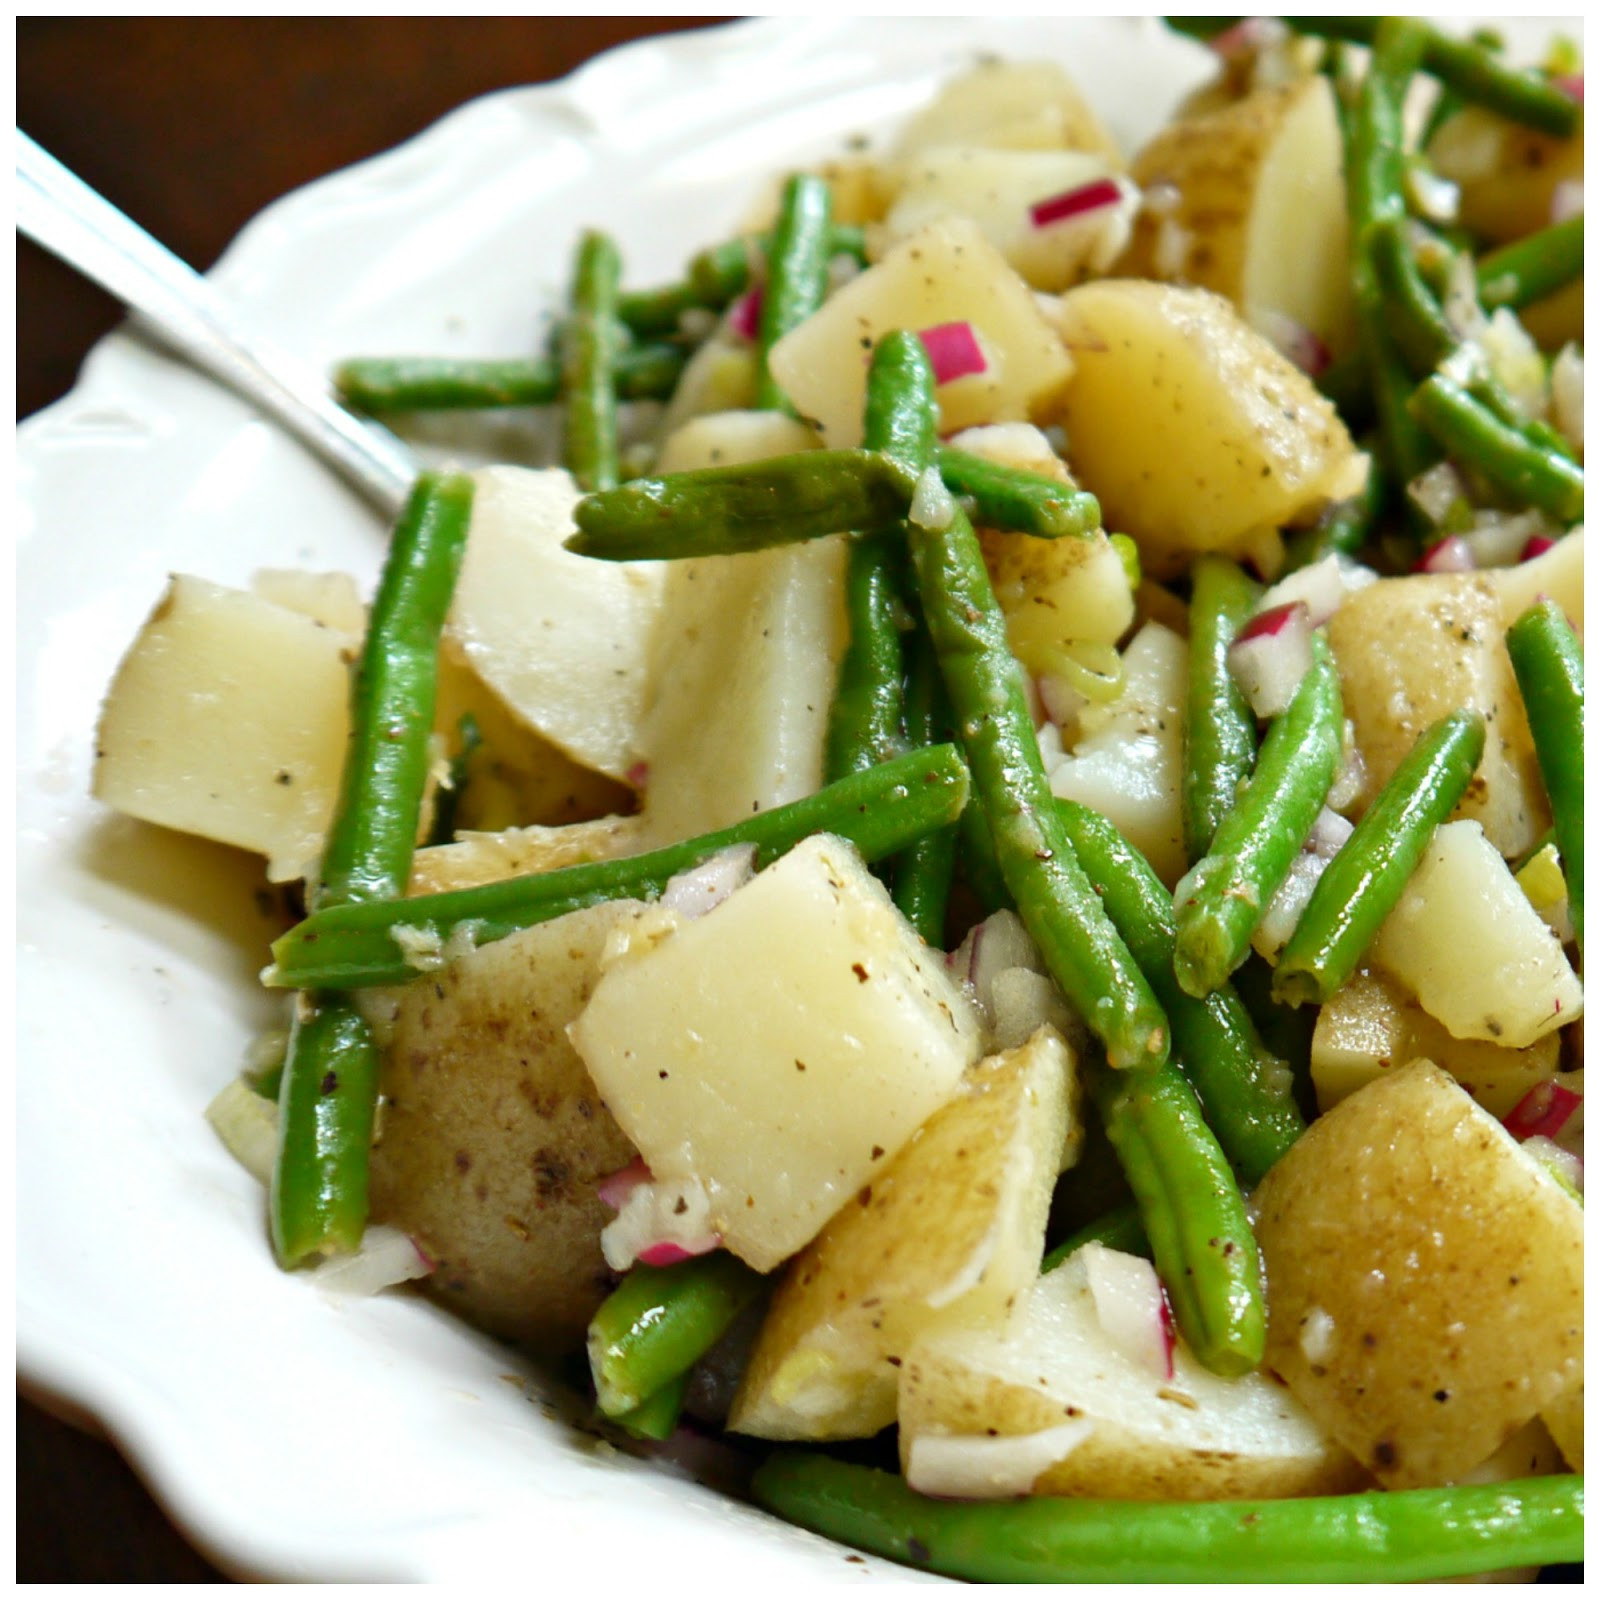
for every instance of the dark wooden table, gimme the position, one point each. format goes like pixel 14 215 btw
pixel 192 125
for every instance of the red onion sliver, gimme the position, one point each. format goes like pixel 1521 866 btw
pixel 1542 1112
pixel 1536 546
pixel 1095 195
pixel 744 316
pixel 668 1253
pixel 1270 655
pixel 1571 84
pixel 1450 554
pixel 953 350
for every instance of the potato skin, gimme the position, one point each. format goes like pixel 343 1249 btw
pixel 492 1137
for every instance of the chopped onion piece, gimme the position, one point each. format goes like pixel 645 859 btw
pixel 617 1186
pixel 1095 195
pixel 1437 492
pixel 387 1256
pixel 1251 33
pixel 1566 395
pixel 993 946
pixel 697 891
pixel 1130 1307
pixel 1431 196
pixel 1566 201
pixel 1450 554
pixel 963 1466
pixel 1294 341
pixel 247 1123
pixel 1565 1166
pixel 1543 1111
pixel 1498 538
pixel 954 351
pixel 1351 778
pixel 744 315
pixel 1323 586
pixel 1288 904
pixel 660 1222
pixel 1270 655
pixel 932 504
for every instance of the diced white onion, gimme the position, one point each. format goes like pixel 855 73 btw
pixel 975 1467
pixel 1566 395
pixel 1436 491
pixel 662 1212
pixel 695 892
pixel 387 1256
pixel 932 504
pixel 1323 587
pixel 1566 200
pixel 1269 662
pixel 247 1123
pixel 1128 1305
pixel 1285 908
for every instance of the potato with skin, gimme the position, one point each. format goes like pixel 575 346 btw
pixel 1508 174
pixel 492 1138
pixel 1248 200
pixel 1372 1026
pixel 1189 427
pixel 1126 1431
pixel 1424 1278
pixel 949 1235
pixel 1414 649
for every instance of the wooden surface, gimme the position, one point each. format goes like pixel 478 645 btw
pixel 192 125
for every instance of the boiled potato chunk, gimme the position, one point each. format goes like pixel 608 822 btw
pixel 492 1139
pixel 948 272
pixel 1424 1278
pixel 997 189
pixel 1372 1026
pixel 1249 201
pixel 563 640
pixel 474 858
pixel 781 1048
pixel 1008 105
pixel 1189 427
pixel 330 598
pixel 1414 649
pixel 228 718
pixel 949 1234
pixel 732 438
pixel 1469 944
pixel 1127 763
pixel 1508 174
pixel 1126 1431
pixel 1557 574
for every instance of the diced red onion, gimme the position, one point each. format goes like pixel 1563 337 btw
pixel 1096 195
pixel 1270 655
pixel 638 775
pixel 1571 84
pixel 666 1253
pixel 1129 1305
pixel 615 1189
pixel 953 350
pixel 1450 554
pixel 744 315
pixel 1543 1111
pixel 1536 546
pixel 1323 586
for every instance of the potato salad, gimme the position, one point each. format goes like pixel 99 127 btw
pixel 977 890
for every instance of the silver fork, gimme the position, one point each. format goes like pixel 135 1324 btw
pixel 60 211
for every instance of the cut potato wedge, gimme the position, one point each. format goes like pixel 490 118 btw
pixel 228 718
pixel 1249 201
pixel 1190 428
pixel 1125 1430
pixel 947 272
pixel 1372 1026
pixel 949 1235
pixel 780 1049
pixel 1557 574
pixel 1412 650
pixel 562 640
pixel 1508 174
pixel 1424 1278
pixel 1509 981
pixel 492 1139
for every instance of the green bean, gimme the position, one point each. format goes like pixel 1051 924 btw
pixel 715 277
pixel 1375 176
pixel 797 274
pixel 1548 661
pixel 1193 1214
pixel 733 510
pixel 657 1417
pixel 1286 1031
pixel 1522 470
pixel 980 867
pixel 1247 1092
pixel 880 811
pixel 1219 736
pixel 1119 1229
pixel 659 1321
pixel 439 383
pixel 1518 274
pixel 590 340
pixel 1391 1537
pixel 328 1094
pixel 1224 896
pixel 1465 65
pixel 924 869
pixel 1364 881
pixel 374 831
pixel 1081 948
pixel 865 725
pixel 447 796
pixel 1348 385
pixel 1018 501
